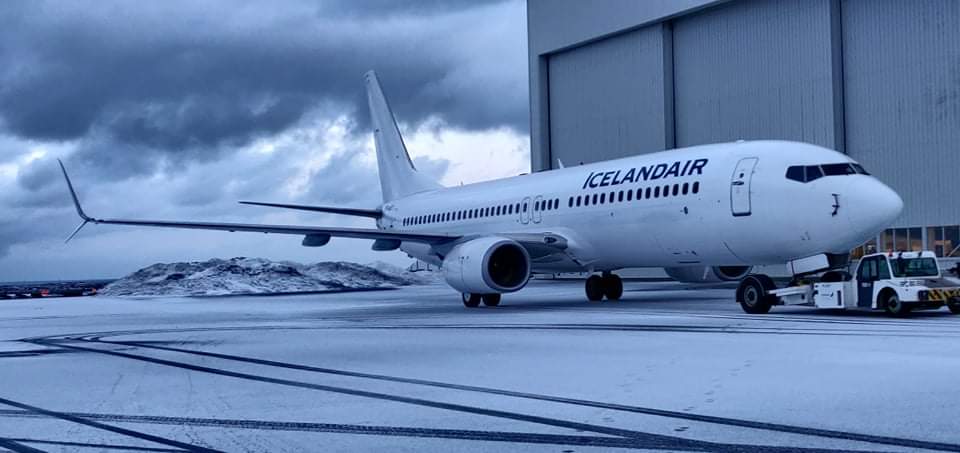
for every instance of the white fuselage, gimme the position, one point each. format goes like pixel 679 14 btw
pixel 733 205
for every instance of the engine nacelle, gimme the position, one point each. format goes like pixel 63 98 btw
pixel 487 265
pixel 705 274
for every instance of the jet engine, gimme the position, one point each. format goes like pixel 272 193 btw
pixel 705 274
pixel 487 265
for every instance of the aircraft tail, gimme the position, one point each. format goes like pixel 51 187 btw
pixel 398 176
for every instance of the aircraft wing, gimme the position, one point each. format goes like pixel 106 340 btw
pixel 372 213
pixel 540 245
pixel 359 233
pixel 320 232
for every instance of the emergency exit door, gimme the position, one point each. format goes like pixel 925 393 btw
pixel 537 209
pixel 740 186
pixel 525 213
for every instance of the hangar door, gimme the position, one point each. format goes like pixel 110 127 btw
pixel 901 68
pixel 607 98
pixel 755 70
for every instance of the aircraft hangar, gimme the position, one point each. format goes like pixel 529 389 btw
pixel 876 79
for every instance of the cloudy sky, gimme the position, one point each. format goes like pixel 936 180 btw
pixel 177 109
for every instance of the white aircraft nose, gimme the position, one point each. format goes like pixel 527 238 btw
pixel 874 206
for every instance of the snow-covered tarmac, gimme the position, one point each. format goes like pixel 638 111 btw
pixel 667 368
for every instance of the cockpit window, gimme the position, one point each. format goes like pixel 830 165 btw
pixel 838 169
pixel 807 173
pixel 796 173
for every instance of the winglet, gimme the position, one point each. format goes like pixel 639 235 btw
pixel 76 231
pixel 73 193
pixel 76 203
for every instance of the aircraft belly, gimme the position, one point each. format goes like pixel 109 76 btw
pixel 420 251
pixel 624 240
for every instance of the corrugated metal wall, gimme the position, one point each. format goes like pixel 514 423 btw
pixel 607 98
pixel 755 69
pixel 902 84
pixel 878 79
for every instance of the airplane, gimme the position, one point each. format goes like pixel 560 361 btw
pixel 703 213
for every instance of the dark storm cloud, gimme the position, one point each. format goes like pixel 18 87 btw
pixel 347 180
pixel 43 224
pixel 172 76
pixel 344 180
pixel 35 187
pixel 151 104
pixel 366 8
pixel 36 174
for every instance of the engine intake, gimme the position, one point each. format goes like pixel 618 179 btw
pixel 704 274
pixel 487 265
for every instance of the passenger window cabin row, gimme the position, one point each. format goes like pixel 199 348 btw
pixel 640 194
pixel 479 213
pixel 667 190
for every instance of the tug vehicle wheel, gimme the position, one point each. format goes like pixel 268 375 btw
pixel 752 294
pixel 954 306
pixel 894 306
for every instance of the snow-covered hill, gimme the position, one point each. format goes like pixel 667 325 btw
pixel 257 276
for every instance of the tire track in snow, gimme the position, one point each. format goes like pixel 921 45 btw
pixel 649 440
pixel 17 447
pixel 817 432
pixel 436 433
pixel 114 429
pixel 62 443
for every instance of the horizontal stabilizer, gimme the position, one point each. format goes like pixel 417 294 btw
pixel 372 213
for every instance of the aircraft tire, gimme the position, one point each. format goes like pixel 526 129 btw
pixel 612 286
pixel 471 300
pixel 491 300
pixel 594 288
pixel 752 294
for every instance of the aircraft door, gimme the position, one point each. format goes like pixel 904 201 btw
pixel 537 212
pixel 525 211
pixel 740 186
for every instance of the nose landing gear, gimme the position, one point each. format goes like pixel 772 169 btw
pixel 608 285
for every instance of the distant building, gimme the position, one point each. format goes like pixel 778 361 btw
pixel 876 79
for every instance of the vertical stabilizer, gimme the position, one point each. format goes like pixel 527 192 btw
pixel 398 176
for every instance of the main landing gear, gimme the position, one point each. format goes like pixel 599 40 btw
pixel 472 300
pixel 608 285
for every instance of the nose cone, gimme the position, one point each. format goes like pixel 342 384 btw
pixel 874 206
pixel 887 203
